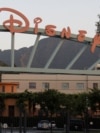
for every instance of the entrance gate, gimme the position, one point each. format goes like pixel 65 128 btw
pixel 28 69
pixel 42 32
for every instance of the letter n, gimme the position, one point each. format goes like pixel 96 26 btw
pixel 66 33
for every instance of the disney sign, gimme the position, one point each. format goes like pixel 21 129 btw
pixel 49 29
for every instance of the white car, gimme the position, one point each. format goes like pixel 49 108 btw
pixel 45 124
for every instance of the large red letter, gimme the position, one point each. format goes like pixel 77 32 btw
pixel 36 21
pixel 13 21
pixel 66 33
pixel 81 35
pixel 96 41
pixel 49 29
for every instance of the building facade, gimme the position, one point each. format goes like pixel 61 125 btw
pixel 69 84
pixel 63 83
pixel 9 103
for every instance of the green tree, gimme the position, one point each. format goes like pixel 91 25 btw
pixel 67 104
pixel 32 101
pixel 49 101
pixel 94 97
pixel 81 101
pixel 21 103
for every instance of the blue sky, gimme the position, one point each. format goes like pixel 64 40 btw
pixel 78 14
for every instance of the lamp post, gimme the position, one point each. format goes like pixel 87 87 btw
pixel 86 116
pixel 67 118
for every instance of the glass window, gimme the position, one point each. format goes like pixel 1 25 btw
pixel 46 85
pixel 3 88
pixel 95 85
pixel 80 85
pixel 65 85
pixel 32 85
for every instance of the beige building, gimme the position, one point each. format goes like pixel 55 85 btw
pixel 63 83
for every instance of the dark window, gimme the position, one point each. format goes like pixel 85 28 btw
pixel 32 85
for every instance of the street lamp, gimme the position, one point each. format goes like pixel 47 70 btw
pixel 67 118
pixel 86 116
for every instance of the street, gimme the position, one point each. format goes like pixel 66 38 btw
pixel 32 130
pixel 27 130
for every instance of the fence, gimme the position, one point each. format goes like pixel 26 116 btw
pixel 30 123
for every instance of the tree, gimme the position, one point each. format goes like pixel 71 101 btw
pixel 80 103
pixel 21 103
pixel 94 96
pixel 49 101
pixel 67 104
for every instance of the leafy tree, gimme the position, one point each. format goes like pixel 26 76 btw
pixel 21 103
pixel 32 101
pixel 94 96
pixel 67 105
pixel 81 103
pixel 49 99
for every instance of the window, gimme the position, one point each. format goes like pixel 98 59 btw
pixel 80 85
pixel 65 85
pixel 46 85
pixel 3 88
pixel 95 85
pixel 17 86
pixel 32 85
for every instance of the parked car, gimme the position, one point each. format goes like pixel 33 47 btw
pixel 46 124
pixel 76 124
pixel 43 124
